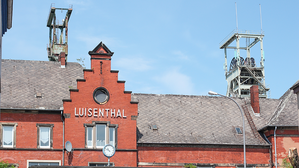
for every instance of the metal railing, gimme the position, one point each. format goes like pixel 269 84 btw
pixel 239 32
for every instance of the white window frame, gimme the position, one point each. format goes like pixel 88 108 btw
pixel 49 137
pixel 103 163
pixel 14 125
pixel 50 126
pixel 12 136
pixel 94 132
pixel 113 142
pixel 105 135
pixel 91 137
pixel 43 161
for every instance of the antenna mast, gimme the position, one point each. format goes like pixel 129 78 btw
pixel 261 19
pixel 236 16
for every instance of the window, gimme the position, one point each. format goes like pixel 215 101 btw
pixel 101 95
pixel 8 137
pixel 89 137
pixel 45 135
pixel 100 133
pixel 112 136
pixel 43 163
pixel 100 164
pixel 239 131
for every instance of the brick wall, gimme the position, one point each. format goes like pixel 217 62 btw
pixel 101 75
pixel 26 138
pixel 199 155
pixel 285 139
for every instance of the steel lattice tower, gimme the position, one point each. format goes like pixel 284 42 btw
pixel 243 72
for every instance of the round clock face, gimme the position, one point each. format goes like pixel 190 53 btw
pixel 108 150
pixel 101 95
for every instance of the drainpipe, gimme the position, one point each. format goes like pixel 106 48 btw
pixel 275 147
pixel 62 137
pixel 270 151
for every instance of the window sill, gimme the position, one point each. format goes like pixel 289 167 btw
pixel 8 147
pixel 44 148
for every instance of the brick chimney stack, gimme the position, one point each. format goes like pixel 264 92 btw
pixel 254 97
pixel 62 59
pixel 100 58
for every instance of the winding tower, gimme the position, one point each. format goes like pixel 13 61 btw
pixel 58 33
pixel 243 72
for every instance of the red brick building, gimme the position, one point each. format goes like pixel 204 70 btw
pixel 44 105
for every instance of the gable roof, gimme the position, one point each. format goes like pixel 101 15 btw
pixel 37 84
pixel 286 111
pixel 179 119
pixel 191 120
pixel 95 51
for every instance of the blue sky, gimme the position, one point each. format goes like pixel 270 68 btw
pixel 164 47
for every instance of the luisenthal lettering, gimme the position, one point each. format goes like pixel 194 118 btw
pixel 100 113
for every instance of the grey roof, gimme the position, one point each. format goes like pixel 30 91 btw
pixel 295 85
pixel 180 119
pixel 209 120
pixel 22 80
pixel 191 120
pixel 286 111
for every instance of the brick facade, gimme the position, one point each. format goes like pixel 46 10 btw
pixel 101 75
pixel 117 114
pixel 203 156
pixel 285 139
pixel 26 137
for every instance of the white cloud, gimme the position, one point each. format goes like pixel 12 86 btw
pixel 136 63
pixel 176 81
pixel 181 55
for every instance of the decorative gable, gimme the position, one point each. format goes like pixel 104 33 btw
pixel 100 112
pixel 101 49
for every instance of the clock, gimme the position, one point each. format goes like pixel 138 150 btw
pixel 109 150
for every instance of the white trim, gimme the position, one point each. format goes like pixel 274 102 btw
pixel 49 135
pixel 255 114
pixel 91 137
pixel 159 164
pixel 12 137
pixel 113 143
pixel 42 161
pixel 104 163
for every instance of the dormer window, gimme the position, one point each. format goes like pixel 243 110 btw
pixel 238 130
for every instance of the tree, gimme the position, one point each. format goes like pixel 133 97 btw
pixel 190 165
pixel 5 165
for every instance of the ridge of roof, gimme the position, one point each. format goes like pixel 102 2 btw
pixel 101 44
pixel 295 85
pixel 36 61
pixel 178 95
pixel 281 107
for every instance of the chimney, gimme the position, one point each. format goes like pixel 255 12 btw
pixel 62 59
pixel 100 58
pixel 254 97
